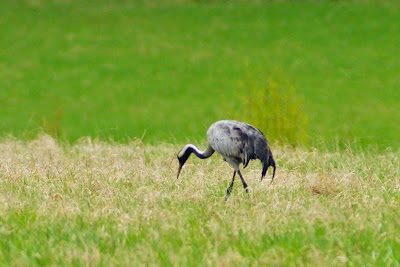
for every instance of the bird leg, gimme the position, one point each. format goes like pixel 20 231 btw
pixel 229 190
pixel 243 182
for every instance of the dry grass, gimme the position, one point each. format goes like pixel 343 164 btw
pixel 97 203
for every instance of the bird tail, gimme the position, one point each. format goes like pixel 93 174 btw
pixel 269 162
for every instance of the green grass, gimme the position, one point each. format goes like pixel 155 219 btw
pixel 166 71
pixel 101 204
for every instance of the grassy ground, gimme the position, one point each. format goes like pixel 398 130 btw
pixel 165 71
pixel 99 204
pixel 131 68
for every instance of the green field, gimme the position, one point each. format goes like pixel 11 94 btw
pixel 97 98
pixel 101 204
pixel 165 71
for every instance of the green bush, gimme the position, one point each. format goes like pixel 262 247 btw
pixel 272 105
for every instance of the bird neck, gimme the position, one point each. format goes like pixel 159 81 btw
pixel 189 148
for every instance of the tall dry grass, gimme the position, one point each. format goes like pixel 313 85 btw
pixel 96 203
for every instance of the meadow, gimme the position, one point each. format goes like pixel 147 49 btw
pixel 165 70
pixel 100 204
pixel 97 98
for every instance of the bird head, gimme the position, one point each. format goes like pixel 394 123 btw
pixel 182 156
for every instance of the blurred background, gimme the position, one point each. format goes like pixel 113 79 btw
pixel 315 73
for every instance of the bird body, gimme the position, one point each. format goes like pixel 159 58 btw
pixel 238 142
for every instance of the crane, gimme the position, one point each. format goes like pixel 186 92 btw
pixel 238 142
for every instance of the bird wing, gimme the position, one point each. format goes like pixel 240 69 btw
pixel 235 140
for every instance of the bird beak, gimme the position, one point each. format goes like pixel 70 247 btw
pixel 179 170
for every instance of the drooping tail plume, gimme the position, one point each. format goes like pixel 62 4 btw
pixel 266 164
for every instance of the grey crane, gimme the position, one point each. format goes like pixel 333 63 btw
pixel 238 142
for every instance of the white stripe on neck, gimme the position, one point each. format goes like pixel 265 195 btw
pixel 187 147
